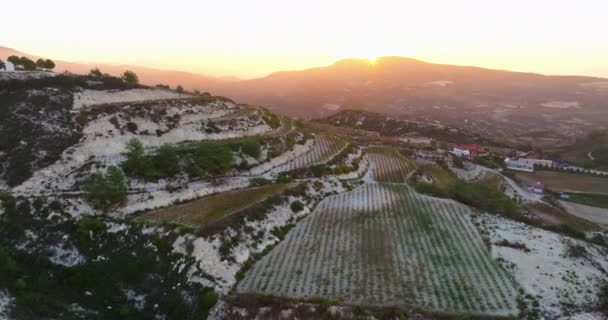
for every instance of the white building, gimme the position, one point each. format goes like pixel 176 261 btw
pixel 540 162
pixel 8 67
pixel 461 152
pixel 518 165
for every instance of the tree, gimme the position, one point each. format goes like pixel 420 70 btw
pixel 14 60
pixel 179 88
pixel 49 64
pixel 27 64
pixel 135 157
pixel 130 77
pixel 104 191
pixel 95 72
pixel 2 65
pixel 167 160
pixel 40 64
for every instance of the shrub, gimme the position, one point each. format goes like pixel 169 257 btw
pixel 296 206
pixel 284 178
pixel 319 170
pixel 251 148
pixel 255 182
pixel 130 77
pixel 208 300
pixel 95 73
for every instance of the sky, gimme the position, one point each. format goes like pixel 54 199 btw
pixel 246 38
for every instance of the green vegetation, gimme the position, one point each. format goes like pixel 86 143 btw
pixel 271 119
pixel 448 266
pixel 484 195
pixel 23 63
pixel 47 64
pixel 95 72
pixel 490 161
pixel 296 206
pixel 200 159
pixel 130 77
pixel 105 191
pixel 590 199
pixel 251 147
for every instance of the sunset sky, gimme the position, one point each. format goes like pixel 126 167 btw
pixel 253 38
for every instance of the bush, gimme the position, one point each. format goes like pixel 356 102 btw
pixel 296 206
pixel 130 77
pixel 256 182
pixel 251 148
pixel 208 300
pixel 105 191
pixel 272 120
pixel 284 178
pixel 319 170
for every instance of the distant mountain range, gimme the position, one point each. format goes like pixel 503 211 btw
pixel 526 107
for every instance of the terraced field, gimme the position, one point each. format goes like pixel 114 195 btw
pixel 385 245
pixel 389 165
pixel 439 175
pixel 209 209
pixel 323 150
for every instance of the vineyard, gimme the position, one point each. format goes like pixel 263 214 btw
pixel 385 245
pixel 323 150
pixel 440 176
pixel 209 209
pixel 389 165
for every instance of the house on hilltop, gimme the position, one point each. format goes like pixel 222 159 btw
pixel 469 150
pixel 8 66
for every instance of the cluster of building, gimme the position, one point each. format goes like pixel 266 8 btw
pixel 527 161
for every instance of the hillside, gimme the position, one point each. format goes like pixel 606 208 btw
pixel 523 106
pixel 199 207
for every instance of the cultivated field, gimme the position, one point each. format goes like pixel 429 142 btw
pixel 323 150
pixel 566 182
pixel 385 245
pixel 209 209
pixel 389 165
pixel 439 175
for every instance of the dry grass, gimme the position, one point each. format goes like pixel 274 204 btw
pixel 207 210
pixel 554 216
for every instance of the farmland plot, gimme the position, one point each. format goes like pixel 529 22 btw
pixel 385 245
pixel 388 165
pixel 209 209
pixel 439 175
pixel 323 150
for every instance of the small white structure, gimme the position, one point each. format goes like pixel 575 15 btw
pixel 8 67
pixel 518 165
pixel 539 162
pixel 461 152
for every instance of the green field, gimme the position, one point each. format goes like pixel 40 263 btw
pixel 566 182
pixel 590 199
pixel 207 210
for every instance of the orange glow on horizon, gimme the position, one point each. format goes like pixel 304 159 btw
pixel 252 39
